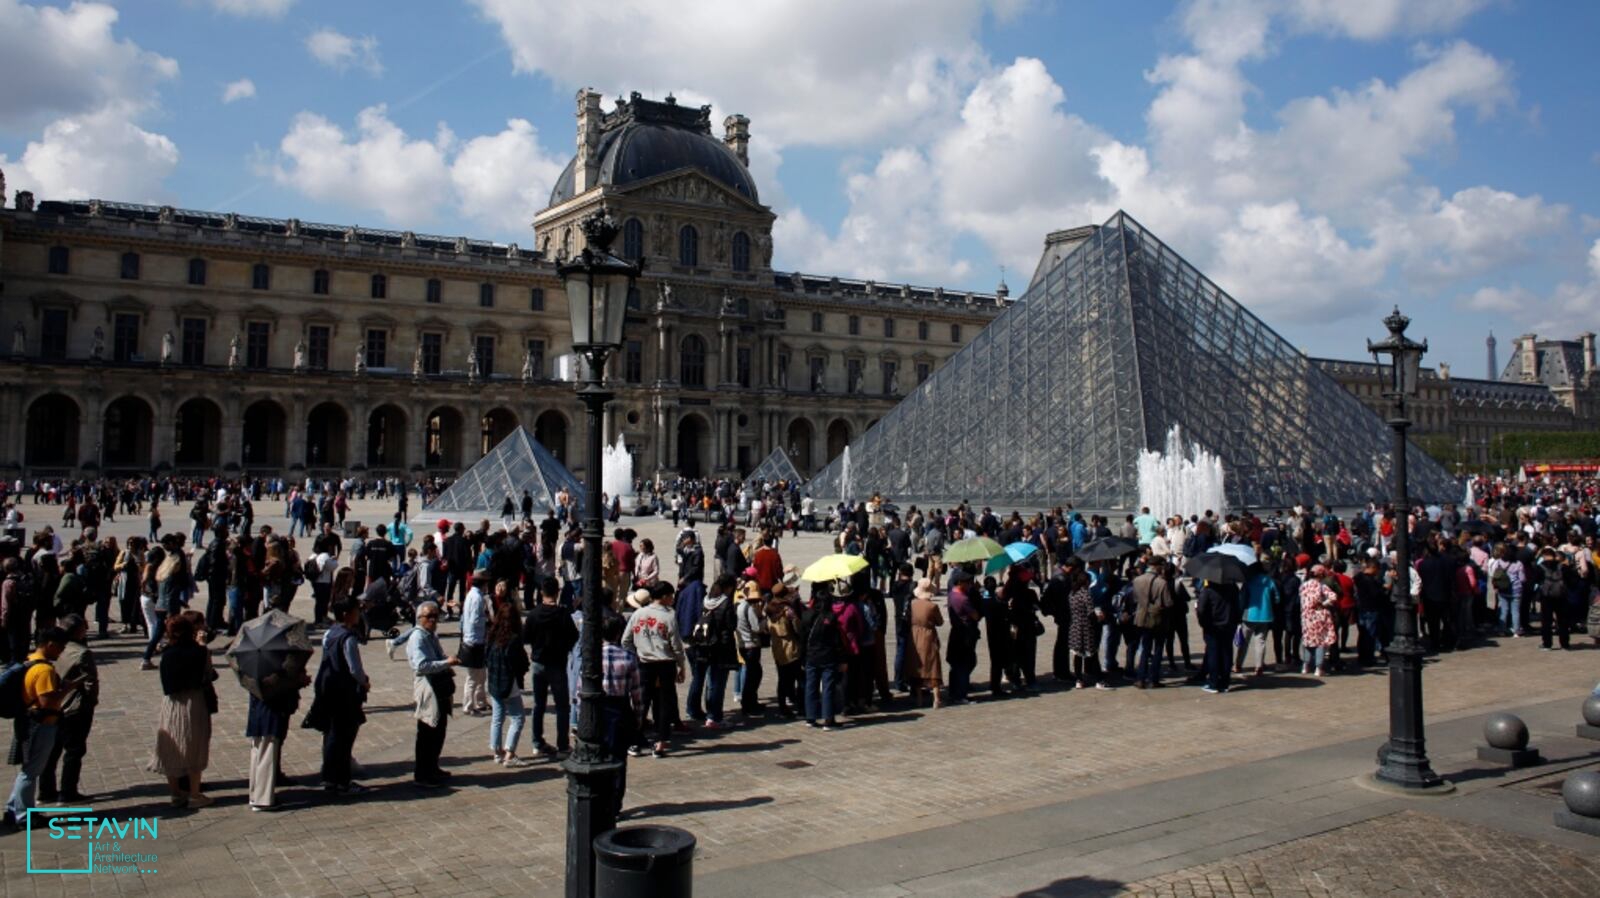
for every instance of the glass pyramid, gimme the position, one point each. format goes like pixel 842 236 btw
pixel 1055 399
pixel 517 463
pixel 774 468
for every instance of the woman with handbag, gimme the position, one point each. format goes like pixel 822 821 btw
pixel 183 726
pixel 341 688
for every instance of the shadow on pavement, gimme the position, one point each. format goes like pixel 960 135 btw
pixel 670 809
pixel 1075 886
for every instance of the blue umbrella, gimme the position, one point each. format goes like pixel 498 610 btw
pixel 1011 555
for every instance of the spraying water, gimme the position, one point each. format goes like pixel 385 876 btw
pixel 1172 483
pixel 844 476
pixel 616 471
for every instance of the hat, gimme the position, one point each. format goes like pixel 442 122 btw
pixel 791 576
pixel 924 589
pixel 1302 560
pixel 1372 552
pixel 1319 571
pixel 639 598
pixel 750 572
pixel 480 574
pixel 779 589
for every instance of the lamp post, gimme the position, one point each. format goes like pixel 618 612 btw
pixel 597 285
pixel 1403 761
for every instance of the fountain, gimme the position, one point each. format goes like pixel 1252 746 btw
pixel 844 476
pixel 1172 483
pixel 616 474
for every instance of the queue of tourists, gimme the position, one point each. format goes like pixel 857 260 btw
pixel 718 630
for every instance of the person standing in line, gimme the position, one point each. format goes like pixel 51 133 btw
pixel 43 693
pixel 652 635
pixel 752 637
pixel 621 703
pixel 75 664
pixel 183 726
pixel 432 688
pixel 474 634
pixel 1260 598
pixel 266 726
pixel 507 663
pixel 1153 601
pixel 341 689
pixel 923 668
pixel 214 568
pixel 1217 609
pixel 551 634
pixel 1317 603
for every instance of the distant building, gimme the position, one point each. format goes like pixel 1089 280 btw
pixel 141 338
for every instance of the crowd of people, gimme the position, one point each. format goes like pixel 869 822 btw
pixel 1316 594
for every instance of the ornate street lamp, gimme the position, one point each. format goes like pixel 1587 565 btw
pixel 597 285
pixel 1403 760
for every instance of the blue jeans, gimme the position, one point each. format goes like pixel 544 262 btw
pixel 1511 613
pixel 1313 656
pixel 716 690
pixel 235 610
pixel 1219 660
pixel 35 754
pixel 504 710
pixel 901 631
pixel 695 705
pixel 1150 644
pixel 819 693
pixel 550 683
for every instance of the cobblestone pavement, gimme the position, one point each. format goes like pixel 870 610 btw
pixel 1409 853
pixel 759 791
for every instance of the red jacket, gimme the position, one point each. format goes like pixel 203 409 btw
pixel 769 567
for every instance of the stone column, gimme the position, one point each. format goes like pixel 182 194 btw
pixel 471 436
pixel 416 437
pixel 233 432
pixel 356 446
pixel 13 426
pixel 671 437
pixel 91 425
pixel 661 434
pixel 164 430
pixel 295 440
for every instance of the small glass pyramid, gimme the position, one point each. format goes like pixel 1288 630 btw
pixel 1055 399
pixel 517 463
pixel 775 467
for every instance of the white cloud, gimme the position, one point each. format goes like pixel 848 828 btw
pixel 806 71
pixel 502 179
pixel 496 180
pixel 1563 311
pixel 243 89
pixel 340 51
pixel 268 9
pixel 99 154
pixel 56 62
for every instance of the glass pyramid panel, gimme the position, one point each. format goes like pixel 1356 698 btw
pixel 775 467
pixel 1121 340
pixel 517 463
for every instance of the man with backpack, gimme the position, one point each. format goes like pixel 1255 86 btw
pixel 1556 580
pixel 75 664
pixel 712 646
pixel 32 693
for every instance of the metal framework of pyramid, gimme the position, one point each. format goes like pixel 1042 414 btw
pixel 1054 401
pixel 776 467
pixel 516 463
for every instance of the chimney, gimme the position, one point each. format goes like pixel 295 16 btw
pixel 586 174
pixel 1494 367
pixel 736 134
pixel 1588 353
pixel 1530 357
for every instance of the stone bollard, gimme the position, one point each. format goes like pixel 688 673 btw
pixel 1507 736
pixel 1581 793
pixel 1590 728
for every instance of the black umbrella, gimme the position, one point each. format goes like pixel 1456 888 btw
pixel 1217 567
pixel 270 653
pixel 1107 548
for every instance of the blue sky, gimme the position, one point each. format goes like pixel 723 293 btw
pixel 1320 159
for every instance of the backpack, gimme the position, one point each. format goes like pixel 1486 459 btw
pixel 11 704
pixel 202 568
pixel 869 629
pixel 1553 586
pixel 829 634
pixel 313 570
pixel 1502 581
pixel 708 629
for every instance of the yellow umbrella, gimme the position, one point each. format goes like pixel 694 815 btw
pixel 833 567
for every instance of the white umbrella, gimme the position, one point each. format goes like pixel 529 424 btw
pixel 1245 554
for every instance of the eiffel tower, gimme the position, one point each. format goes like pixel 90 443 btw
pixel 1120 340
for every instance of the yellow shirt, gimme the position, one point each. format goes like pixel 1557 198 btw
pixel 40 680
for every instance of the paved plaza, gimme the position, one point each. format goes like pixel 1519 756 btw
pixel 1171 792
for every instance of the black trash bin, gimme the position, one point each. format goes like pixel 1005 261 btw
pixel 644 862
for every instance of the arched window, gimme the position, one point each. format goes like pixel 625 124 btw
pixel 692 361
pixel 741 251
pixel 688 246
pixel 633 240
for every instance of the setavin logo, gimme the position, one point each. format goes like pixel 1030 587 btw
pixel 109 844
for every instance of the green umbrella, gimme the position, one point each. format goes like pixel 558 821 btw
pixel 979 548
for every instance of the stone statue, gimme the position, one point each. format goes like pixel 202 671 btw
pixel 416 363
pixel 728 305
pixel 664 300
pixel 527 367
pixel 166 348
pixel 291 228
pixel 472 365
pixel 300 355
pixel 24 201
pixel 233 352
pixel 855 383
pixel 97 349
pixel 764 250
pixel 19 340
pixel 361 360
pixel 408 240
pixel 661 241
pixel 894 381
pixel 2 188
pixel 783 377
pixel 719 243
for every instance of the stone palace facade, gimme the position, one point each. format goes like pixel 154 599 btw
pixel 139 338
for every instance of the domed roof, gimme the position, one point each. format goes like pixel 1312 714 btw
pixel 643 139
